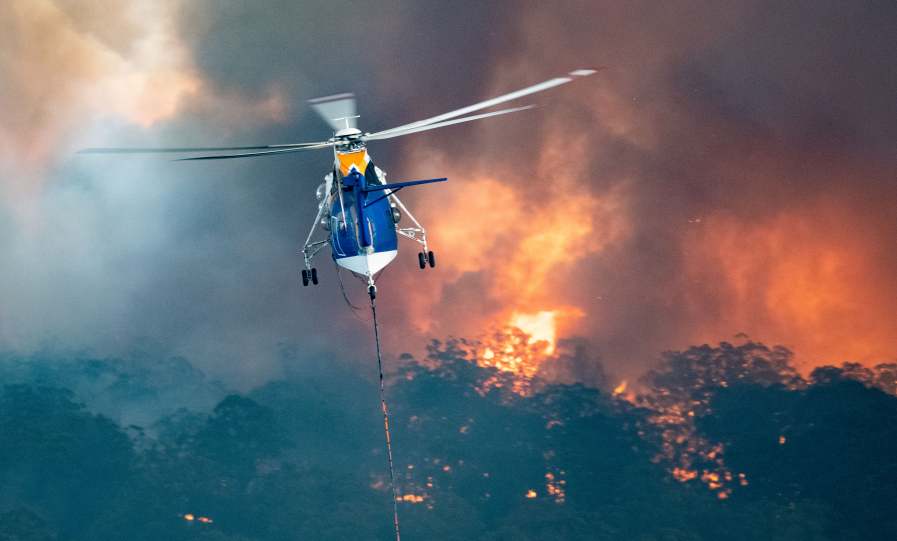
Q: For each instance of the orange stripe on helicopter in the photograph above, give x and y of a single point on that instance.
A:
(358, 159)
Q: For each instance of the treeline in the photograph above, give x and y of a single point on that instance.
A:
(724, 442)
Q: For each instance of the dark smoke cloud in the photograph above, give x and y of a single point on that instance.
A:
(721, 135)
(752, 144)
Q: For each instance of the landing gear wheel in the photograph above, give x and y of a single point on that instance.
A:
(422, 260)
(314, 276)
(431, 258)
(304, 278)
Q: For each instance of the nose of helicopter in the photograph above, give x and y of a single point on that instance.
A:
(367, 264)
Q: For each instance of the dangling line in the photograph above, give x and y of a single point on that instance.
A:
(392, 475)
(355, 309)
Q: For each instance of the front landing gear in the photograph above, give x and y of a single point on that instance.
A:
(425, 258)
(309, 275)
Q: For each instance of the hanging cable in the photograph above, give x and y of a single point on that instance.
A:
(356, 310)
(392, 475)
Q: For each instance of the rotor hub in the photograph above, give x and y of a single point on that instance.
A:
(347, 133)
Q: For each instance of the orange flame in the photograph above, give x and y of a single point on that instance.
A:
(522, 252)
(540, 326)
(620, 389)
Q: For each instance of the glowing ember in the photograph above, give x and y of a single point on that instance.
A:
(682, 475)
(411, 498)
(530, 494)
(555, 486)
(782, 440)
(190, 517)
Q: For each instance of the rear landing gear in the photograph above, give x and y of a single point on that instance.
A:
(309, 276)
(425, 258)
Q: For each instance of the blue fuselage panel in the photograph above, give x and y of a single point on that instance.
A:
(368, 226)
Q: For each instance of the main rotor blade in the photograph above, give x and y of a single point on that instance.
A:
(337, 110)
(545, 85)
(251, 154)
(190, 149)
(390, 133)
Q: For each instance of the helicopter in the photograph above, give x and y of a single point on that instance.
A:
(358, 209)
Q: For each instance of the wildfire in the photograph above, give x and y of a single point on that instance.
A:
(517, 262)
(691, 456)
(522, 345)
(540, 326)
(513, 351)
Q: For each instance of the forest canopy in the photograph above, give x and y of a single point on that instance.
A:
(720, 442)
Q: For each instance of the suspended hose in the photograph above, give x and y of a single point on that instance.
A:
(355, 309)
(392, 475)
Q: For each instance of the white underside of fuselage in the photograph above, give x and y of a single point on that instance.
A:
(368, 264)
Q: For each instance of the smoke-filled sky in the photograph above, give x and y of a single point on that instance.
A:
(733, 170)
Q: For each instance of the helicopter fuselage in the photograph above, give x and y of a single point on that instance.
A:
(358, 208)
(362, 222)
(361, 213)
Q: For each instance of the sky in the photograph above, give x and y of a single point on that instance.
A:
(731, 172)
